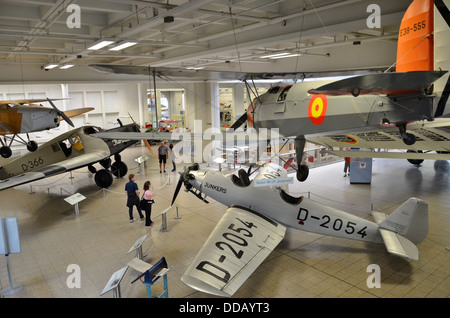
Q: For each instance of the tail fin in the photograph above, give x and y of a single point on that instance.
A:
(415, 50)
(406, 226)
(409, 220)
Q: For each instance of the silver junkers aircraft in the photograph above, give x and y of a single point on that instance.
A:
(257, 218)
(68, 151)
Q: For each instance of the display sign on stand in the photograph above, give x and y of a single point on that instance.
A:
(138, 246)
(74, 200)
(9, 244)
(114, 283)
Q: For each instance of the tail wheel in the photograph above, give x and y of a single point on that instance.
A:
(119, 169)
(104, 178)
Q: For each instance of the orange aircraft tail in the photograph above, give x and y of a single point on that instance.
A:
(415, 42)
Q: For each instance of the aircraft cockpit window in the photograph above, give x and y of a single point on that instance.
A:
(289, 198)
(243, 179)
(274, 90)
(283, 93)
(91, 130)
(66, 147)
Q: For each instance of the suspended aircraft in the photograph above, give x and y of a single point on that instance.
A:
(433, 142)
(25, 116)
(359, 102)
(257, 218)
(66, 152)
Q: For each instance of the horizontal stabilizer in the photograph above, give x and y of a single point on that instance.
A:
(398, 245)
(406, 226)
(381, 83)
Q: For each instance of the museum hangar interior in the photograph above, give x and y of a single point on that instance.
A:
(47, 51)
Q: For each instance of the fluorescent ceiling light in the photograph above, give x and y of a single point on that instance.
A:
(279, 55)
(123, 45)
(66, 66)
(100, 44)
(288, 55)
(273, 55)
(195, 67)
(50, 66)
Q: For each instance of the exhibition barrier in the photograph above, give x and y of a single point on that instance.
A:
(9, 244)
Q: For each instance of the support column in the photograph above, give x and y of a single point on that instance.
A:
(238, 100)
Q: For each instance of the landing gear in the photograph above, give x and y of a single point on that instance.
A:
(119, 169)
(5, 150)
(32, 145)
(416, 162)
(104, 177)
(302, 170)
(408, 139)
(302, 173)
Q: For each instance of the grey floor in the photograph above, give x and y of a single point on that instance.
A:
(303, 265)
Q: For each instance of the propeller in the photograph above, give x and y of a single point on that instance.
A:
(60, 113)
(185, 176)
(238, 123)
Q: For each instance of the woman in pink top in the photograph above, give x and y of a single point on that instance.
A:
(148, 198)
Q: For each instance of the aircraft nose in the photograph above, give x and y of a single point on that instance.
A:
(197, 180)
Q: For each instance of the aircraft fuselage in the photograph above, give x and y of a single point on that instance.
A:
(295, 112)
(26, 119)
(299, 213)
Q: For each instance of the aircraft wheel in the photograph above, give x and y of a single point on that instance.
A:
(415, 161)
(5, 152)
(103, 178)
(32, 145)
(302, 173)
(409, 139)
(119, 169)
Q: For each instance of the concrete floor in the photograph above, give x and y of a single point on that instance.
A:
(303, 265)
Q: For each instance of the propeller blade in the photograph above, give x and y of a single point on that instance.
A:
(177, 189)
(238, 123)
(60, 113)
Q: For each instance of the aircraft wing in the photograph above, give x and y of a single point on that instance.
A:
(54, 169)
(237, 246)
(381, 83)
(430, 136)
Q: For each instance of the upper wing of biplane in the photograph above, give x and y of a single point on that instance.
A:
(54, 169)
(430, 136)
(237, 246)
(216, 75)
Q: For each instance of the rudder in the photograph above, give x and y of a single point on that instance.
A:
(409, 220)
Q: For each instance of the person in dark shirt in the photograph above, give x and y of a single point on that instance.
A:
(162, 155)
(132, 192)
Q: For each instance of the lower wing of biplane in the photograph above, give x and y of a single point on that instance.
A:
(432, 142)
